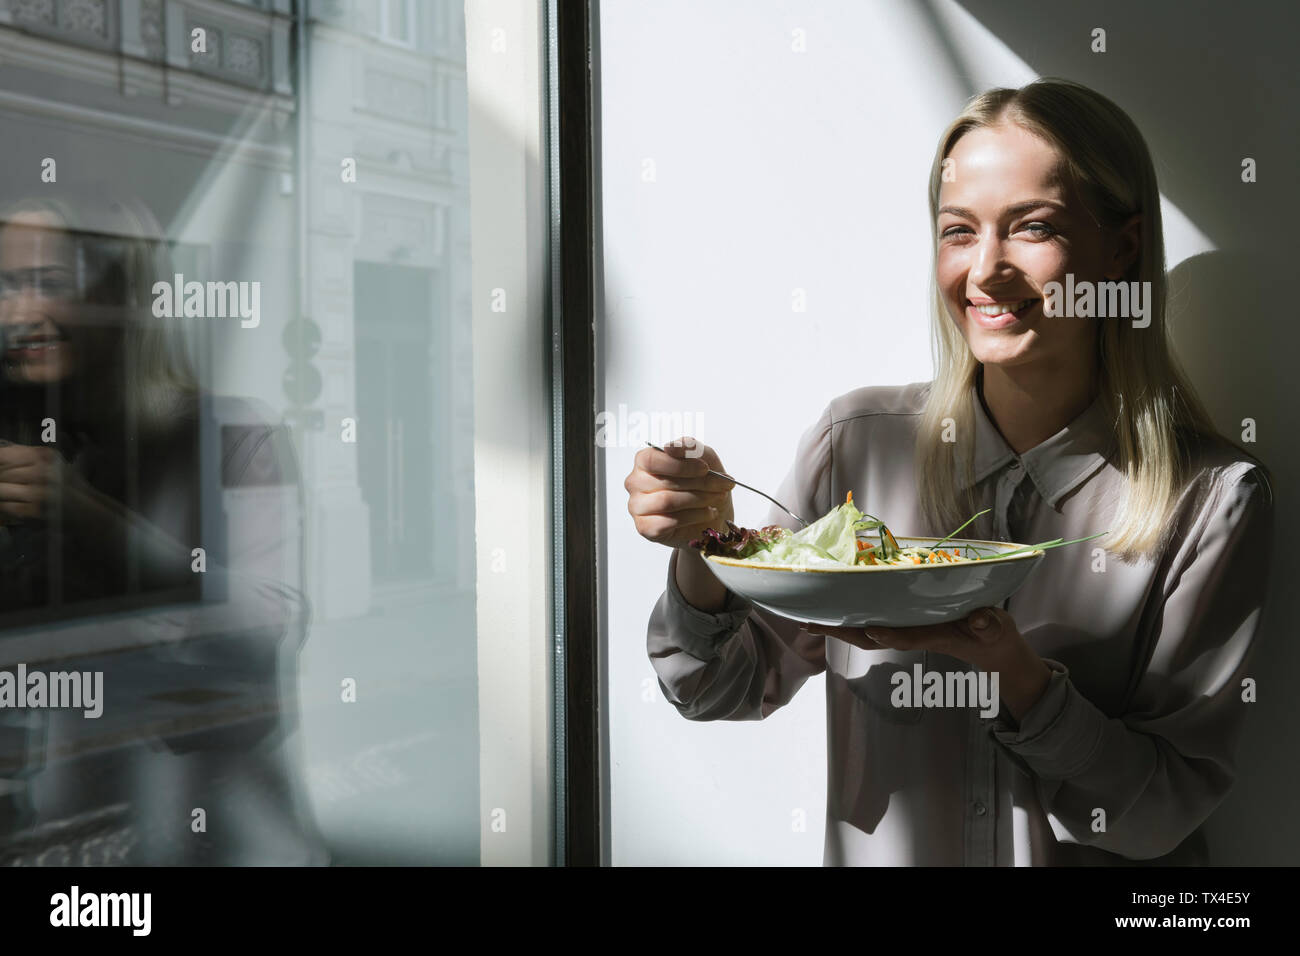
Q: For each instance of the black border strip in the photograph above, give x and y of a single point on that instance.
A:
(578, 646)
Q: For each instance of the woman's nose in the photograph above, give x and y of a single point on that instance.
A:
(989, 262)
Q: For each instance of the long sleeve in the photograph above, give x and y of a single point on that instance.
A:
(743, 662)
(1158, 770)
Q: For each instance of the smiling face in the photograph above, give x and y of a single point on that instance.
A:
(1008, 225)
(37, 300)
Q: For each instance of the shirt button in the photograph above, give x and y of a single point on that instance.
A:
(980, 809)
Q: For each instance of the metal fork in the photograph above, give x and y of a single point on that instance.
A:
(743, 485)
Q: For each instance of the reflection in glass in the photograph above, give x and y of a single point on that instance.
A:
(174, 593)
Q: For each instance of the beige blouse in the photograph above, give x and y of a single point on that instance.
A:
(1132, 745)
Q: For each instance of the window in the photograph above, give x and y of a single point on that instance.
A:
(289, 341)
(397, 22)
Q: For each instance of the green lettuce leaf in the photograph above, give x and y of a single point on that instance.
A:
(830, 540)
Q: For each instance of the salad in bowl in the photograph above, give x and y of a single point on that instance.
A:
(833, 573)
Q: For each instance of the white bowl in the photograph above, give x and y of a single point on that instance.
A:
(888, 596)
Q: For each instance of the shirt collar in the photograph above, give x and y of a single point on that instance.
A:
(1056, 466)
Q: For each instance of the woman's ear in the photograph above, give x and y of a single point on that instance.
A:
(1126, 248)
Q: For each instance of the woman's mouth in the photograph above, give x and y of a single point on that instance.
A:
(34, 346)
(990, 314)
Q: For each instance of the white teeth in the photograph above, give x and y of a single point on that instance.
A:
(999, 308)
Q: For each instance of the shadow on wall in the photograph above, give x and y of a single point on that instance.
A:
(1203, 110)
(1228, 315)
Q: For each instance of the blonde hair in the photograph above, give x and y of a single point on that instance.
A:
(159, 376)
(1142, 388)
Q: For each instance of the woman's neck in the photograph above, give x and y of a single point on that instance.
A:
(1030, 404)
(96, 402)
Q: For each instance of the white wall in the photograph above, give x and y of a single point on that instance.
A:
(775, 170)
(764, 184)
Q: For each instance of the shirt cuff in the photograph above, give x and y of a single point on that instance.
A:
(1059, 735)
(700, 633)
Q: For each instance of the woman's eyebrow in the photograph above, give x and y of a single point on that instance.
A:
(1015, 210)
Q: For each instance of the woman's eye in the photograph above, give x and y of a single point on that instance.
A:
(954, 231)
(1040, 229)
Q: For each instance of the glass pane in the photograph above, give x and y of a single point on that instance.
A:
(260, 601)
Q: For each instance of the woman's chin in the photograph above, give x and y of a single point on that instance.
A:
(1000, 347)
(993, 355)
(38, 372)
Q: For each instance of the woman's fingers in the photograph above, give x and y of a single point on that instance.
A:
(671, 502)
(669, 465)
(942, 638)
(683, 458)
(26, 475)
(641, 480)
(21, 492)
(671, 495)
(17, 457)
(857, 636)
(22, 501)
(24, 471)
(672, 527)
(29, 474)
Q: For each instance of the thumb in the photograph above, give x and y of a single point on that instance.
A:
(988, 623)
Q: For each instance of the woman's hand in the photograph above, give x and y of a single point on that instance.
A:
(672, 497)
(987, 639)
(34, 479)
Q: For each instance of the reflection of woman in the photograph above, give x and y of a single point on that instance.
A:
(1120, 670)
(91, 404)
(102, 503)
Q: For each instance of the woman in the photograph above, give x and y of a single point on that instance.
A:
(1121, 668)
(122, 554)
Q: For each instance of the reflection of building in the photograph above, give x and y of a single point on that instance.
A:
(114, 90)
(389, 264)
